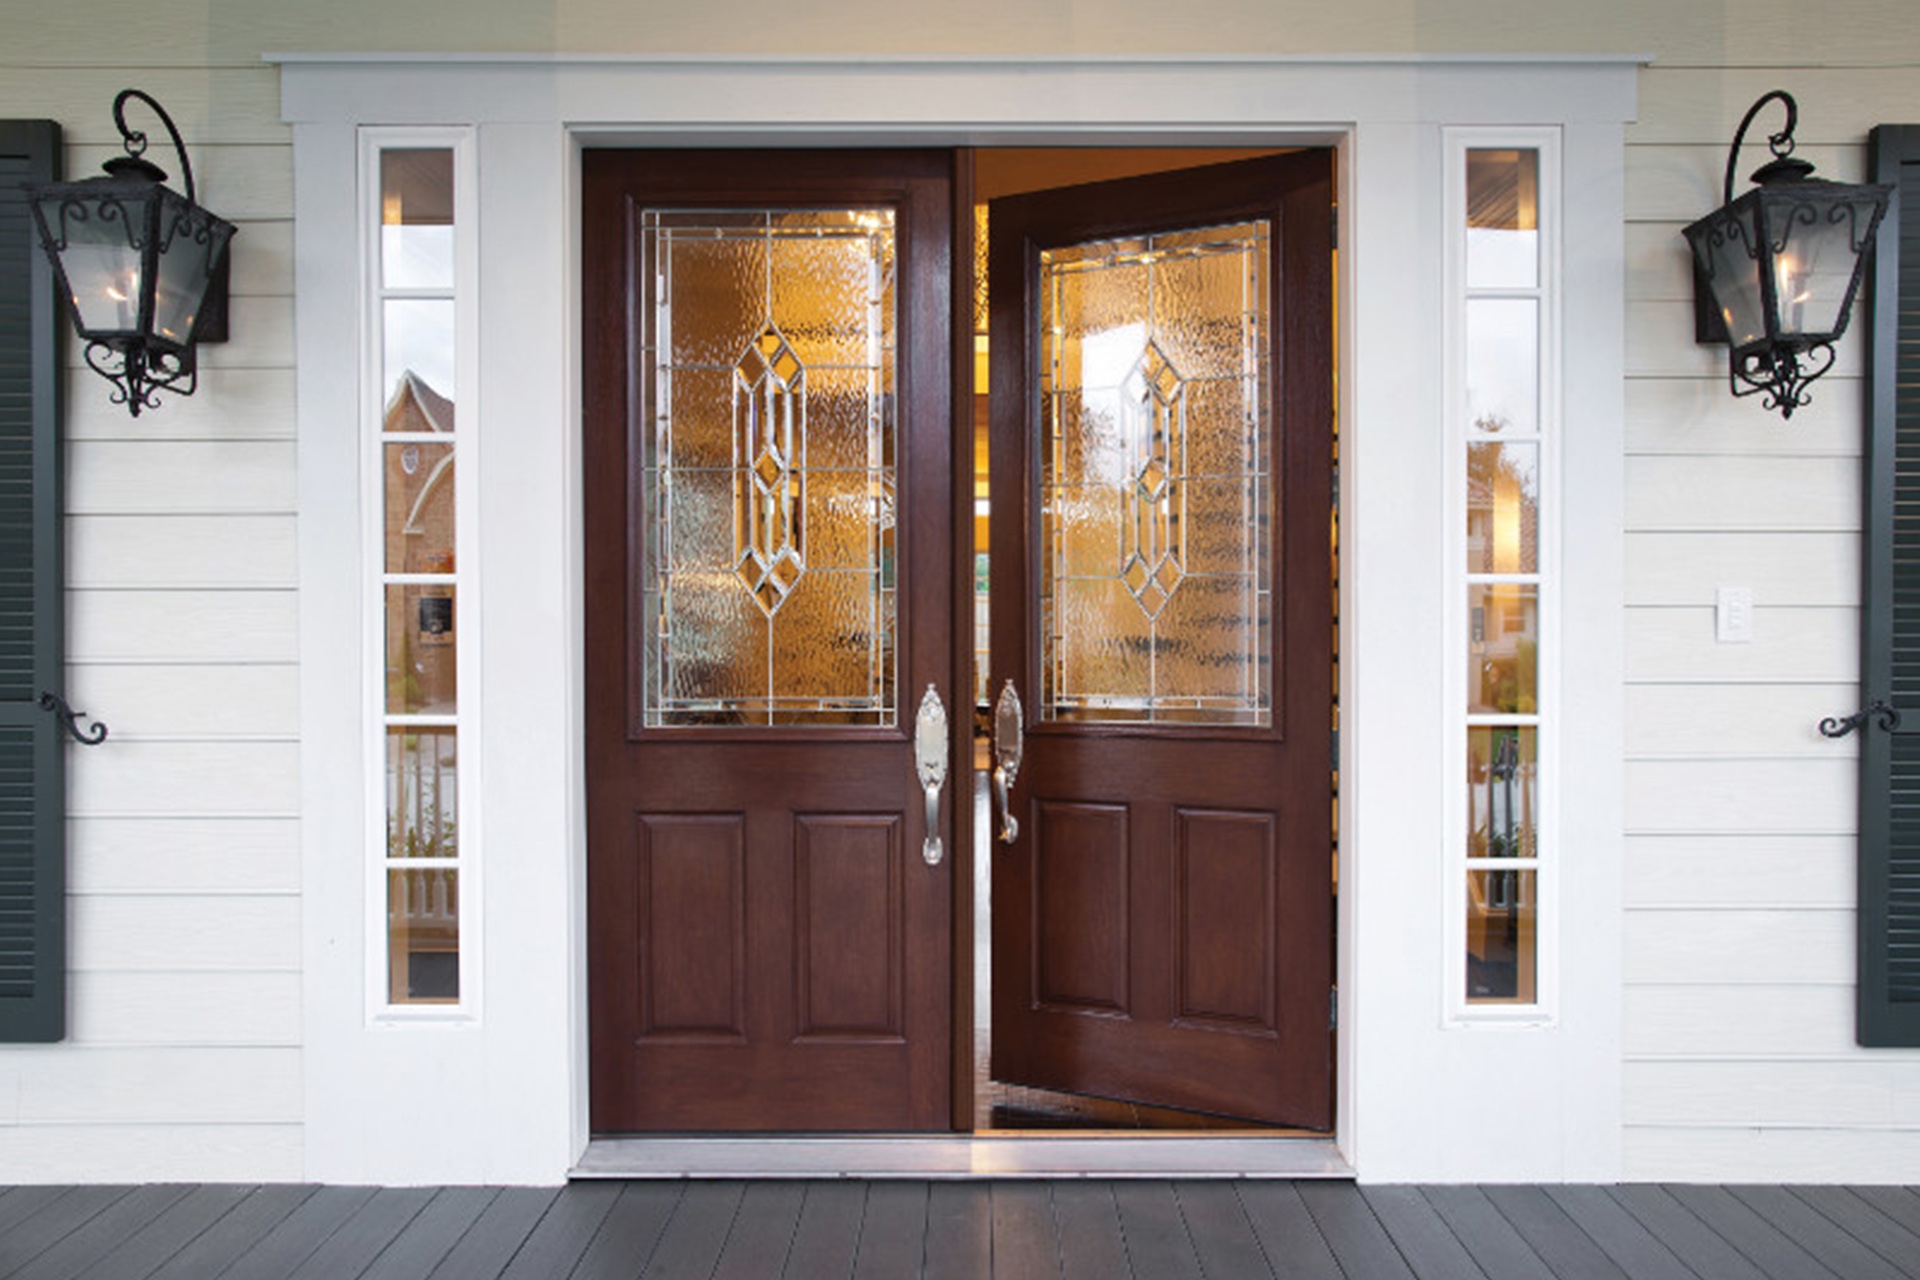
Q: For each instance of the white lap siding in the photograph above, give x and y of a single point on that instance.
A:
(183, 1057)
(1740, 1060)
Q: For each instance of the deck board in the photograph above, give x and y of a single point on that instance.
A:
(1008, 1229)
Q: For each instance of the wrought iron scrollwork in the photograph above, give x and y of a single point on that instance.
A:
(92, 736)
(1877, 711)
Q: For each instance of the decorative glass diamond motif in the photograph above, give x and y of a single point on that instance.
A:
(1153, 557)
(769, 481)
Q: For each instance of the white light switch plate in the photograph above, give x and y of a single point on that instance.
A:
(1733, 615)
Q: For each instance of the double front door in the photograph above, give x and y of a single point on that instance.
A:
(779, 692)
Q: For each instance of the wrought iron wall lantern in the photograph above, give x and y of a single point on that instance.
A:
(143, 268)
(1776, 270)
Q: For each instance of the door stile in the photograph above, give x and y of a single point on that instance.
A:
(961, 633)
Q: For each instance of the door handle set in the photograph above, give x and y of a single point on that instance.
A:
(930, 766)
(1009, 737)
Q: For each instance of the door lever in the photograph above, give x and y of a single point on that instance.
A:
(930, 765)
(1009, 737)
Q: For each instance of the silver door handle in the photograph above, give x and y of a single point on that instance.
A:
(1009, 739)
(930, 766)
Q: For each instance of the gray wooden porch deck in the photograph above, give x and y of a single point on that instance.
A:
(1149, 1230)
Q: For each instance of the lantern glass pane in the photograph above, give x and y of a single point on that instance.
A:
(1725, 248)
(185, 268)
(1813, 268)
(102, 265)
(416, 218)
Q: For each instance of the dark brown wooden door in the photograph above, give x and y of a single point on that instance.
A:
(768, 569)
(1162, 435)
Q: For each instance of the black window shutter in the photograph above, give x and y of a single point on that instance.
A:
(33, 837)
(1888, 1012)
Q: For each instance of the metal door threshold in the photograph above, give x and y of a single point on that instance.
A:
(1080, 1155)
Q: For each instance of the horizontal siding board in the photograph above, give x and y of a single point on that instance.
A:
(231, 404)
(184, 855)
(177, 477)
(1782, 568)
(143, 933)
(147, 1085)
(1765, 797)
(1697, 416)
(1659, 263)
(194, 1008)
(1794, 645)
(182, 626)
(1705, 106)
(1764, 947)
(1716, 1020)
(185, 778)
(208, 105)
(1706, 871)
(1730, 492)
(182, 551)
(1736, 720)
(122, 1153)
(1757, 1154)
(1858, 1094)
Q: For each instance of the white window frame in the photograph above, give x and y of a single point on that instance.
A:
(466, 578)
(1545, 720)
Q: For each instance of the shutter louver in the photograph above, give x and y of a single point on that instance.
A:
(1888, 1011)
(32, 655)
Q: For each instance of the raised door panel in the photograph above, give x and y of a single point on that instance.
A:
(849, 928)
(690, 915)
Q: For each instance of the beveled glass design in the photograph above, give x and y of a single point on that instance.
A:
(1156, 499)
(1503, 648)
(422, 791)
(423, 934)
(767, 467)
(1502, 941)
(1503, 508)
(1503, 774)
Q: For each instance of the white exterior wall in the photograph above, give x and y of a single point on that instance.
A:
(185, 1059)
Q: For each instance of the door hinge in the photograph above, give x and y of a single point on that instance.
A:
(1333, 1008)
(1333, 228)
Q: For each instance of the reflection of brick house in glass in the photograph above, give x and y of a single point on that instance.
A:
(418, 521)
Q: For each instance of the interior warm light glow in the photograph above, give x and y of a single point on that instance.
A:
(390, 210)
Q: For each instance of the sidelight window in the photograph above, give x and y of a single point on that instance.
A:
(418, 424)
(1502, 417)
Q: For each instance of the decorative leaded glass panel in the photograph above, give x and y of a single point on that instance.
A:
(1155, 508)
(768, 467)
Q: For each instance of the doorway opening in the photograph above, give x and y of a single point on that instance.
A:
(1011, 1107)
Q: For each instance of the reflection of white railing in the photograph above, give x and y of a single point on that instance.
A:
(425, 907)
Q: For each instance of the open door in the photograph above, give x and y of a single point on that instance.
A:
(1162, 480)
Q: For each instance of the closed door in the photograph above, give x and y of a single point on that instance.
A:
(1162, 431)
(768, 605)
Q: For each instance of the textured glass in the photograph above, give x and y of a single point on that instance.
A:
(418, 484)
(1503, 219)
(1155, 494)
(1503, 365)
(420, 650)
(1503, 650)
(419, 347)
(1502, 948)
(416, 218)
(423, 935)
(767, 585)
(1503, 775)
(422, 791)
(1503, 508)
